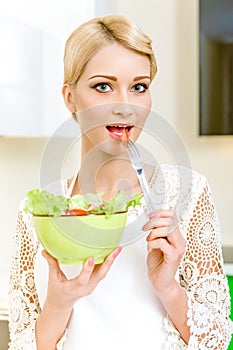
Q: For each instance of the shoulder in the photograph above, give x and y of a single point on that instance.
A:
(58, 187)
(176, 187)
(176, 175)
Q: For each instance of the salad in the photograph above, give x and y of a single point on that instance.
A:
(41, 202)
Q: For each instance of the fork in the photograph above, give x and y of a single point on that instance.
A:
(137, 164)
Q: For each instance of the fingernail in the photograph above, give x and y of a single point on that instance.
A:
(119, 249)
(153, 214)
(90, 262)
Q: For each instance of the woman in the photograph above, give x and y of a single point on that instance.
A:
(109, 65)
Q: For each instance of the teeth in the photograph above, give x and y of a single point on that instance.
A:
(121, 126)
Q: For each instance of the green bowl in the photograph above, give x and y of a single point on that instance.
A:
(73, 239)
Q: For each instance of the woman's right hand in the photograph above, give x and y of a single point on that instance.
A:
(62, 293)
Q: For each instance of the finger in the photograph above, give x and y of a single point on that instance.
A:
(103, 269)
(52, 262)
(172, 254)
(157, 233)
(84, 277)
(167, 218)
(171, 234)
(156, 222)
(161, 244)
(161, 213)
(55, 271)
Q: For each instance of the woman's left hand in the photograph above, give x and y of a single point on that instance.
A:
(166, 247)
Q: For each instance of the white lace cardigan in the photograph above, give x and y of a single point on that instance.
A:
(201, 270)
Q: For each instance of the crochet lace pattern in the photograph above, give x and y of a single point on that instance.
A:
(201, 271)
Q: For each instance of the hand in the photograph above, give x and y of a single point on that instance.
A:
(62, 292)
(166, 247)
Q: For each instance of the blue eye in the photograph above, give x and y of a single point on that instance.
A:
(139, 88)
(102, 87)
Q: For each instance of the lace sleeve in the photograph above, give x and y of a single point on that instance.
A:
(24, 306)
(202, 275)
(23, 301)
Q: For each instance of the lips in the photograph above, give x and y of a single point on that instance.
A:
(116, 131)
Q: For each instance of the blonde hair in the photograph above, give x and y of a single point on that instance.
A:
(91, 36)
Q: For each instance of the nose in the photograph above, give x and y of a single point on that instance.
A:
(123, 109)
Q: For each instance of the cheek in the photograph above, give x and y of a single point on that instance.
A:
(83, 102)
(148, 101)
(142, 115)
(93, 117)
(142, 112)
(85, 99)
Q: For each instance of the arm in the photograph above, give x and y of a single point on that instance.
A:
(175, 302)
(23, 301)
(202, 275)
(61, 295)
(188, 304)
(166, 247)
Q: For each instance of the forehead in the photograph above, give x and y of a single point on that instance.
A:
(116, 58)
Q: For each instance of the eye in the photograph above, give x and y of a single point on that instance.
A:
(102, 87)
(139, 88)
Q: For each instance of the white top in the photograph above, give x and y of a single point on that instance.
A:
(124, 312)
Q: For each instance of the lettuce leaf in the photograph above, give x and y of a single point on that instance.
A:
(40, 202)
(44, 203)
(78, 201)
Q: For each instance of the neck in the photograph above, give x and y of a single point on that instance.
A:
(102, 172)
(117, 175)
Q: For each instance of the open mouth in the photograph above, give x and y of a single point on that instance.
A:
(116, 131)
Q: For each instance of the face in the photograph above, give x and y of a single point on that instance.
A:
(111, 95)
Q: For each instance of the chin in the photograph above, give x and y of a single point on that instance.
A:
(112, 148)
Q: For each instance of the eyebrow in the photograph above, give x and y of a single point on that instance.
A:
(110, 77)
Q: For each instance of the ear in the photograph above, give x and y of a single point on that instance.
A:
(68, 96)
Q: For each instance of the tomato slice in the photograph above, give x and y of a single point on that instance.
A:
(77, 212)
(125, 137)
